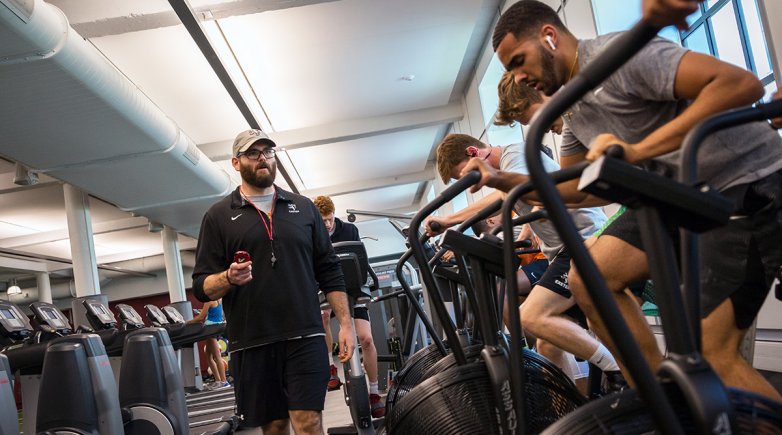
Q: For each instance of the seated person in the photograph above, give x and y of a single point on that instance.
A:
(345, 232)
(647, 107)
(544, 311)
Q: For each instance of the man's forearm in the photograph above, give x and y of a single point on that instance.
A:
(339, 303)
(569, 192)
(469, 211)
(216, 285)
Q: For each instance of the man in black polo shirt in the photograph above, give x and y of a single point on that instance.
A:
(346, 232)
(271, 303)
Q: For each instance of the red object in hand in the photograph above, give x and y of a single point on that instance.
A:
(241, 257)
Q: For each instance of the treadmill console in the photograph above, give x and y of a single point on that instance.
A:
(173, 315)
(155, 315)
(14, 325)
(130, 318)
(99, 316)
(51, 316)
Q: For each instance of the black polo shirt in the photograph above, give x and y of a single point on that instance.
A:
(344, 232)
(281, 302)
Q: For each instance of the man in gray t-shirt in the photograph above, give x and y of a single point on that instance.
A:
(546, 310)
(647, 107)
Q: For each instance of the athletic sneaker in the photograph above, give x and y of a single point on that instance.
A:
(212, 386)
(334, 382)
(377, 405)
(614, 381)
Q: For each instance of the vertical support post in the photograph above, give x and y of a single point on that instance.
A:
(85, 266)
(44, 287)
(188, 358)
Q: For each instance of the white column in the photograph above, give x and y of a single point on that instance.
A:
(85, 267)
(44, 287)
(173, 260)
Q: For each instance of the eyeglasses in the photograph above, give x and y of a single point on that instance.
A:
(268, 153)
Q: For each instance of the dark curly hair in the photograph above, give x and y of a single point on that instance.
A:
(525, 18)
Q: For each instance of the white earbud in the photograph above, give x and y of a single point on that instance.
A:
(550, 43)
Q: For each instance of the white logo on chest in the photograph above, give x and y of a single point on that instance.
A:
(292, 208)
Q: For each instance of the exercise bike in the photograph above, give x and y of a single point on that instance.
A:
(355, 267)
(685, 396)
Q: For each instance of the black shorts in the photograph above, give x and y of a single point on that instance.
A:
(555, 277)
(535, 270)
(287, 375)
(740, 259)
(359, 312)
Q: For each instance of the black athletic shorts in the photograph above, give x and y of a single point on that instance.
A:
(555, 277)
(535, 270)
(359, 312)
(287, 375)
(741, 258)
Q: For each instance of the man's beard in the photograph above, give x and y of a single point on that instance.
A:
(250, 175)
(551, 82)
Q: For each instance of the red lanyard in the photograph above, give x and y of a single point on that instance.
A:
(270, 225)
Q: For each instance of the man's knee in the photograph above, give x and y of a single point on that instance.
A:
(532, 319)
(276, 427)
(306, 422)
(365, 338)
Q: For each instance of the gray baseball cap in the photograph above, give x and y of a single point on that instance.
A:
(245, 139)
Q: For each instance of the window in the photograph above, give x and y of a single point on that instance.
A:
(487, 92)
(620, 15)
(732, 31)
(728, 29)
(460, 202)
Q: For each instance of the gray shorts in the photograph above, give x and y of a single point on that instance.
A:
(741, 259)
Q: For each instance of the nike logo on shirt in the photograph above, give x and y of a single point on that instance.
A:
(236, 217)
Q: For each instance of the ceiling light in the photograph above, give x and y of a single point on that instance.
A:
(13, 289)
(407, 78)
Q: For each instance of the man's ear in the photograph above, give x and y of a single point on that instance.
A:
(235, 163)
(471, 151)
(549, 37)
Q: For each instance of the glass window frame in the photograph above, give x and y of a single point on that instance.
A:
(705, 20)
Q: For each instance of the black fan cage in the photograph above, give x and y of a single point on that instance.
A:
(461, 401)
(546, 374)
(412, 373)
(625, 413)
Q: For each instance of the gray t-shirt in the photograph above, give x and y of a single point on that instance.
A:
(639, 98)
(587, 220)
(263, 202)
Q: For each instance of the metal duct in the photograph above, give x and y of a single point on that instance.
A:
(68, 112)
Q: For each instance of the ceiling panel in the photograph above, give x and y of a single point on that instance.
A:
(380, 156)
(139, 239)
(167, 66)
(79, 11)
(387, 198)
(8, 229)
(344, 60)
